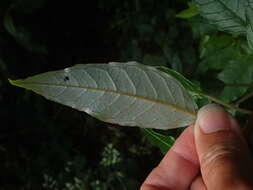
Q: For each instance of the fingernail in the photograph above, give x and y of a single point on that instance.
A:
(212, 118)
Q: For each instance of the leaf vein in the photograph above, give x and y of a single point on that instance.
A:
(167, 104)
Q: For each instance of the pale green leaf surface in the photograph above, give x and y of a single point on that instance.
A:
(162, 141)
(194, 89)
(128, 94)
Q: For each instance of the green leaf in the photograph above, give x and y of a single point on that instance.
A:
(162, 141)
(216, 52)
(201, 27)
(233, 16)
(239, 70)
(188, 13)
(249, 17)
(226, 55)
(226, 15)
(190, 86)
(213, 44)
(194, 89)
(128, 94)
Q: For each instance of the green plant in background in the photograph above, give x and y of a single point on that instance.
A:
(111, 174)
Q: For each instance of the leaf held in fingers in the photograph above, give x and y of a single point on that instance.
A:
(129, 94)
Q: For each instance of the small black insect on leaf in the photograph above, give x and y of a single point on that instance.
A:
(66, 78)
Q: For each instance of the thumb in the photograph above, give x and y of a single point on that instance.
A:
(224, 157)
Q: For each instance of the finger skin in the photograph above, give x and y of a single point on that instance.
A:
(198, 184)
(225, 160)
(178, 168)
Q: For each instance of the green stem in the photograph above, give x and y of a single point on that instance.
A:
(247, 96)
(218, 101)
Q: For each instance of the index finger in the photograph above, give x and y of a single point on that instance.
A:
(178, 168)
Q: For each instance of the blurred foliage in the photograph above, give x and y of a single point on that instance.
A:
(164, 142)
(44, 145)
(188, 13)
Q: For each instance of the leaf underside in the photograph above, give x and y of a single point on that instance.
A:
(129, 94)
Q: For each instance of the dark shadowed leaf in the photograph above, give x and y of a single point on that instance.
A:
(239, 70)
(249, 17)
(233, 16)
(227, 15)
(164, 142)
(190, 86)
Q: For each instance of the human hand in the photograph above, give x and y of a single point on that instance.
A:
(212, 155)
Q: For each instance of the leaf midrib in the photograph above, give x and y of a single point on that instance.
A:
(175, 107)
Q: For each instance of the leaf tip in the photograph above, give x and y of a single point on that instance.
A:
(15, 82)
(11, 81)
